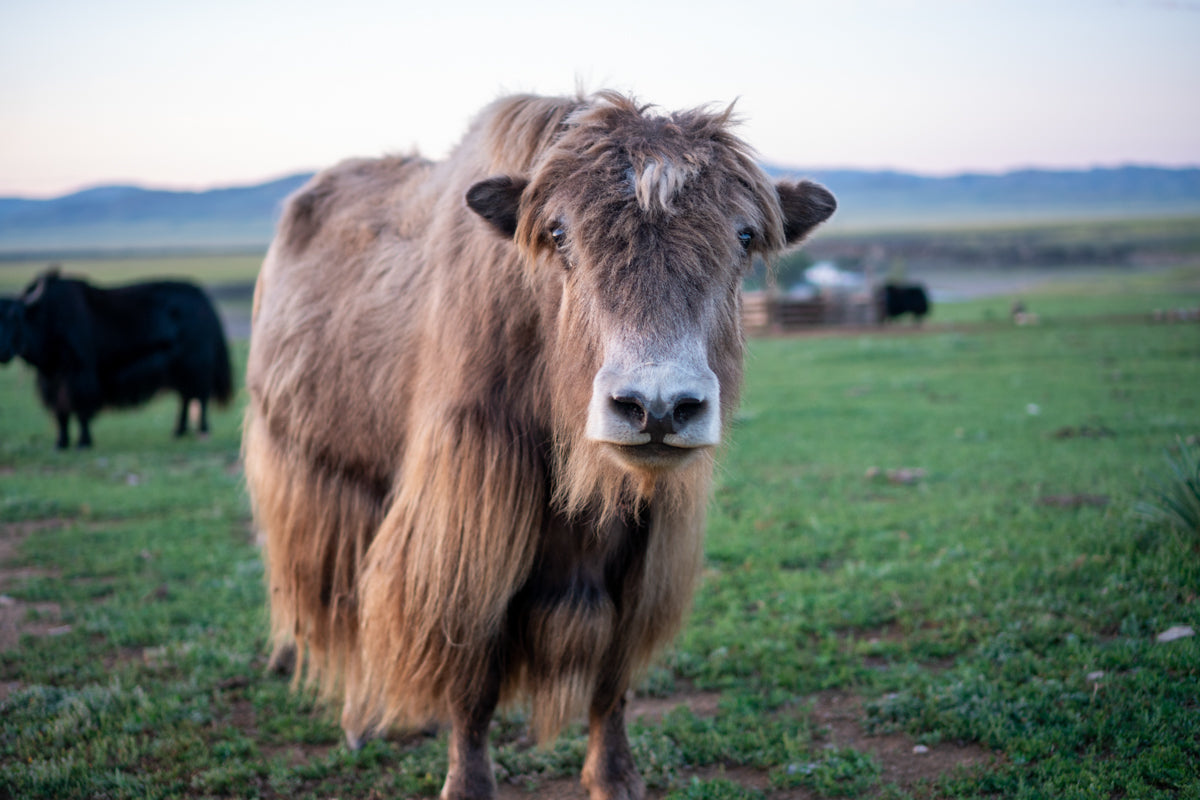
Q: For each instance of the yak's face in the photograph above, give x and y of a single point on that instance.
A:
(642, 228)
(12, 329)
(23, 320)
(649, 310)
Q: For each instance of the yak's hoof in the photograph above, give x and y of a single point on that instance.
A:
(618, 779)
(283, 660)
(355, 740)
(631, 789)
(473, 786)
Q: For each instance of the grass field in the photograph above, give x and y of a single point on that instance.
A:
(213, 270)
(925, 578)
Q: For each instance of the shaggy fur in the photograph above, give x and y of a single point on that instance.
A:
(442, 536)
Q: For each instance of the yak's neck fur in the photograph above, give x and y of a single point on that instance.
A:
(400, 455)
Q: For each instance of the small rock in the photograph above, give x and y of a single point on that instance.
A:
(1033, 409)
(5, 600)
(1095, 676)
(61, 630)
(920, 750)
(1176, 632)
(905, 476)
(901, 476)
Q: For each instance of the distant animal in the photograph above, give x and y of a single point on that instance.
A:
(897, 299)
(95, 348)
(1022, 315)
(485, 394)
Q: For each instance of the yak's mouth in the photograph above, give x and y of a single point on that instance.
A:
(655, 456)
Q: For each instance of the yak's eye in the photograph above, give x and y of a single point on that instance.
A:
(559, 234)
(745, 236)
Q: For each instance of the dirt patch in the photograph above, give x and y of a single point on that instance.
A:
(837, 722)
(557, 789)
(837, 716)
(1083, 432)
(13, 533)
(121, 656)
(243, 716)
(17, 617)
(653, 709)
(1073, 500)
(295, 754)
(894, 632)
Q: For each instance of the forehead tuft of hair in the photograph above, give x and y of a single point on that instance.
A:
(665, 151)
(610, 142)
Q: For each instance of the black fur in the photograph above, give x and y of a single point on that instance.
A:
(95, 348)
(897, 299)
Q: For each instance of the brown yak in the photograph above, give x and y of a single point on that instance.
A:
(485, 395)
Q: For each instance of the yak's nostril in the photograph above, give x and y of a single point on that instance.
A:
(685, 409)
(631, 408)
(659, 418)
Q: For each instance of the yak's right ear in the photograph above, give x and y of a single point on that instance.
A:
(805, 206)
(498, 200)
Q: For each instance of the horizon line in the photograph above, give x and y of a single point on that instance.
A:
(786, 169)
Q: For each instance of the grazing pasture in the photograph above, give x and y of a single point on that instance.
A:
(924, 578)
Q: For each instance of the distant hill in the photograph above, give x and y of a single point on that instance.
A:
(881, 200)
(132, 218)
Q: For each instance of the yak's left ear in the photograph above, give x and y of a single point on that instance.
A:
(805, 206)
(498, 200)
(35, 290)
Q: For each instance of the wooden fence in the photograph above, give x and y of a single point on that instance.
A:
(771, 312)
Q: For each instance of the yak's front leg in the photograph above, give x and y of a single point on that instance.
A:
(469, 776)
(85, 430)
(64, 429)
(181, 426)
(203, 416)
(609, 772)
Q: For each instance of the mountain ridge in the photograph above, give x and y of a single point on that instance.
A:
(122, 216)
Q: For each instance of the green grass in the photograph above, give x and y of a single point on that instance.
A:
(1110, 292)
(209, 269)
(1174, 498)
(1002, 597)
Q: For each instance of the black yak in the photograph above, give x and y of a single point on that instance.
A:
(897, 299)
(95, 348)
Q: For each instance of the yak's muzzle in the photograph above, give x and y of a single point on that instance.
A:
(655, 412)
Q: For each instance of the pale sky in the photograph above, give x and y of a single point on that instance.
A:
(174, 94)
